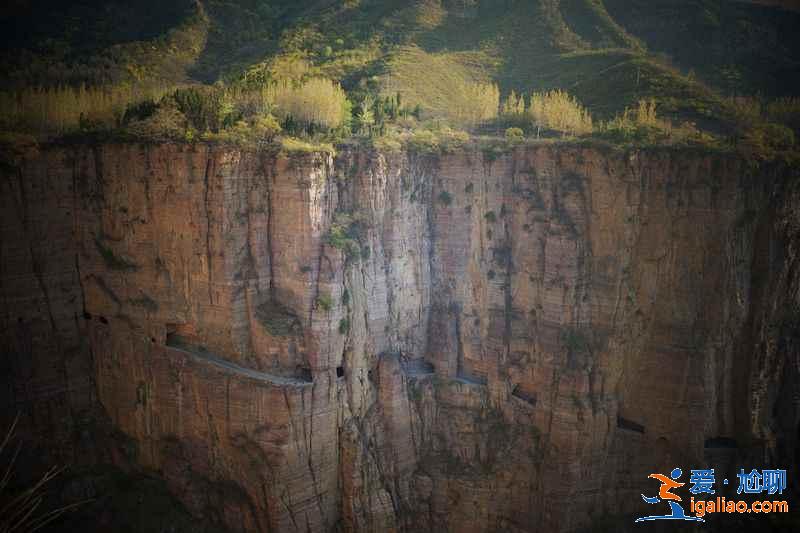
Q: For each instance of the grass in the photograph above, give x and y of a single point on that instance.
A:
(444, 85)
(21, 508)
(291, 145)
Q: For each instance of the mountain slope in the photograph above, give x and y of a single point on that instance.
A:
(686, 54)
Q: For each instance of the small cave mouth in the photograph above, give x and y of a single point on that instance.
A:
(304, 373)
(87, 315)
(103, 320)
(630, 425)
(721, 442)
(179, 334)
(339, 371)
(524, 396)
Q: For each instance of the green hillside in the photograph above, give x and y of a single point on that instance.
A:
(689, 57)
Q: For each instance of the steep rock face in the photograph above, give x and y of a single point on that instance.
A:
(403, 342)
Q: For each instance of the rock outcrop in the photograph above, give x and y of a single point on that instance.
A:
(406, 342)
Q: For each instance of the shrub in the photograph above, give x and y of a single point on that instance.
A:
(166, 123)
(765, 141)
(278, 320)
(513, 106)
(558, 111)
(266, 127)
(438, 140)
(318, 101)
(423, 141)
(785, 111)
(390, 143)
(324, 302)
(476, 103)
(515, 135)
(365, 117)
(139, 111)
(346, 234)
(513, 111)
(642, 125)
(60, 110)
(344, 326)
(205, 108)
(445, 198)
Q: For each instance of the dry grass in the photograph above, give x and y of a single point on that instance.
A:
(444, 85)
(559, 111)
(63, 109)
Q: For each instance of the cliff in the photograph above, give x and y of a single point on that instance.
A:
(404, 342)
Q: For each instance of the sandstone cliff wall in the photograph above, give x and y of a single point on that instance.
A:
(402, 342)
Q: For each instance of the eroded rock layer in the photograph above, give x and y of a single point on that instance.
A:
(403, 342)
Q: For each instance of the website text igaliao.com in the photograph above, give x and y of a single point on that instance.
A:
(722, 505)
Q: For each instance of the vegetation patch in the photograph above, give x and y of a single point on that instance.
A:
(324, 302)
(347, 232)
(278, 320)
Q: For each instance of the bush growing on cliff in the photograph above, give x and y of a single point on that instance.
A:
(436, 140)
(785, 111)
(278, 320)
(642, 125)
(346, 233)
(165, 123)
(205, 108)
(317, 102)
(765, 141)
(514, 136)
(324, 302)
(557, 110)
(445, 198)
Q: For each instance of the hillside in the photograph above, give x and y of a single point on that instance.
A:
(687, 56)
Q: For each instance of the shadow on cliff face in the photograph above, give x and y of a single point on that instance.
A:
(122, 502)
